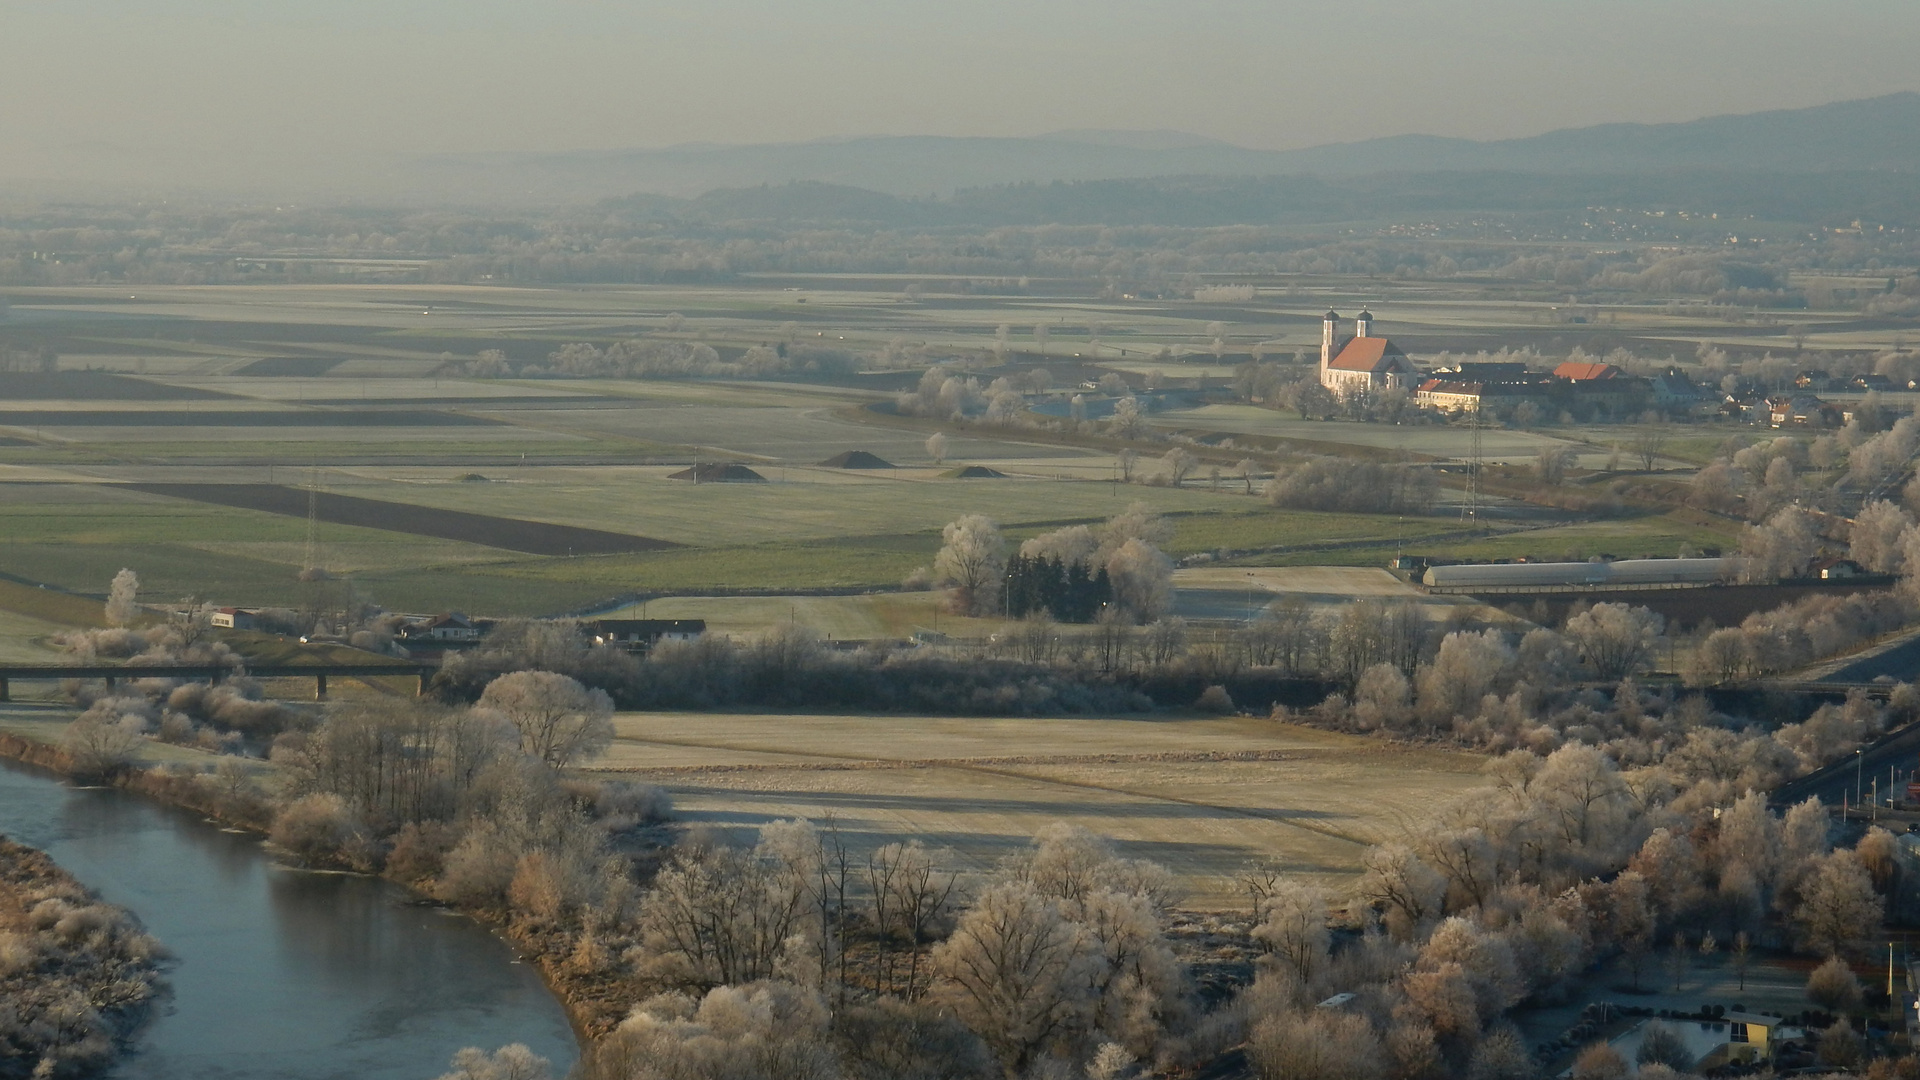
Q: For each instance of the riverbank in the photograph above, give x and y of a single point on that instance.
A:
(592, 1001)
(77, 977)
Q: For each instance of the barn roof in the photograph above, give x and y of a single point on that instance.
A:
(1582, 372)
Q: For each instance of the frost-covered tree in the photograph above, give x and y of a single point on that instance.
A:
(1615, 640)
(123, 604)
(972, 559)
(1779, 548)
(559, 720)
(1875, 542)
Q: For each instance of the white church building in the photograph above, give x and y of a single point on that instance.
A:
(1362, 363)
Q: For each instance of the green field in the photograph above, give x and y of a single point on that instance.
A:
(595, 453)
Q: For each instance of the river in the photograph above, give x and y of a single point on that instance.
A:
(283, 974)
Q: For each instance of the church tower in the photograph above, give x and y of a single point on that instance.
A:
(1328, 331)
(1363, 324)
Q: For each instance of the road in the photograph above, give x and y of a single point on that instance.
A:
(1890, 761)
(1898, 659)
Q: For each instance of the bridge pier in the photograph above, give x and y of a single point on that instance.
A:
(3, 689)
(320, 687)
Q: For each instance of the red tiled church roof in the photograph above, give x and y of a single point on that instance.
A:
(1368, 354)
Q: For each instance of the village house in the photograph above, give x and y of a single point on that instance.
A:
(1363, 363)
(451, 628)
(641, 635)
(1801, 410)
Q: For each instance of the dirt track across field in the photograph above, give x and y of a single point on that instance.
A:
(511, 534)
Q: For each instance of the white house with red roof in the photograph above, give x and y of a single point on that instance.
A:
(1362, 363)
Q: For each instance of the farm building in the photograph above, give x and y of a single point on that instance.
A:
(1362, 363)
(1452, 396)
(1672, 389)
(1835, 569)
(1575, 371)
(1561, 576)
(451, 627)
(641, 635)
(719, 473)
(233, 618)
(856, 459)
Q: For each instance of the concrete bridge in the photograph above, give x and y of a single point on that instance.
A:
(213, 673)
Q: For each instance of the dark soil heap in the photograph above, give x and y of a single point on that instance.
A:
(856, 459)
(719, 474)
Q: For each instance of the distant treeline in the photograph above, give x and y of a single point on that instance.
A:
(1211, 201)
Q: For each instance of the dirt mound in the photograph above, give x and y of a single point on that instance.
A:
(719, 474)
(857, 459)
(974, 472)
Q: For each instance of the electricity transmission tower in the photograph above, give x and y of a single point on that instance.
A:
(311, 563)
(1470, 510)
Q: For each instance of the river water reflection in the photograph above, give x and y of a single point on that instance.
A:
(282, 974)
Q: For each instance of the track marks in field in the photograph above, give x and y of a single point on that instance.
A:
(1009, 768)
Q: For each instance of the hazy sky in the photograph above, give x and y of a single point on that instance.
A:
(217, 77)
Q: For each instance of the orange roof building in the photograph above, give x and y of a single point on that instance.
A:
(1574, 371)
(1362, 363)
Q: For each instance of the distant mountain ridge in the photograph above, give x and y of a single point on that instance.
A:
(1850, 136)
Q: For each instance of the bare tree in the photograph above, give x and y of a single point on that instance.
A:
(1246, 471)
(1833, 987)
(1142, 579)
(102, 740)
(1316, 1045)
(1017, 972)
(512, 1062)
(123, 604)
(1180, 464)
(1551, 464)
(1295, 926)
(917, 899)
(1779, 548)
(559, 720)
(1614, 639)
(1838, 906)
(972, 559)
(1875, 542)
(1651, 440)
(1128, 421)
(1126, 459)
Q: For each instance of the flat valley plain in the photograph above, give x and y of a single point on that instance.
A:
(354, 391)
(1208, 797)
(252, 395)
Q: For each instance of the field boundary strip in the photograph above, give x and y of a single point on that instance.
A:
(509, 534)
